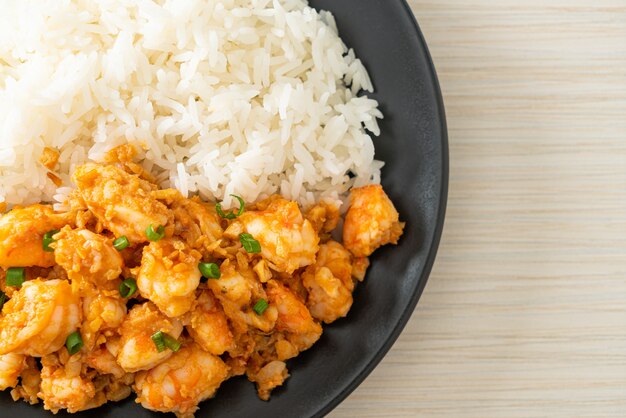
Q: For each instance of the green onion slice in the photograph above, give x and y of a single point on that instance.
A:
(3, 299)
(249, 243)
(15, 276)
(231, 214)
(74, 343)
(260, 306)
(128, 288)
(209, 270)
(47, 240)
(157, 338)
(155, 235)
(162, 341)
(121, 243)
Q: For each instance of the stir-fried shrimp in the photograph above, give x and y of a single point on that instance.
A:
(208, 325)
(121, 201)
(338, 260)
(324, 216)
(287, 239)
(169, 275)
(239, 292)
(21, 235)
(65, 386)
(113, 303)
(115, 389)
(293, 315)
(102, 360)
(137, 350)
(195, 222)
(11, 366)
(177, 385)
(29, 383)
(112, 380)
(38, 318)
(87, 256)
(329, 283)
(102, 316)
(371, 221)
(269, 377)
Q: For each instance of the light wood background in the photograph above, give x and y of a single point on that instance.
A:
(525, 311)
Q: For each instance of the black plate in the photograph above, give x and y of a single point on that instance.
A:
(413, 143)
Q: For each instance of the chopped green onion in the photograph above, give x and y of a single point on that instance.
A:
(249, 243)
(231, 214)
(74, 343)
(260, 306)
(47, 240)
(157, 339)
(15, 276)
(162, 341)
(3, 299)
(171, 343)
(209, 270)
(128, 288)
(121, 243)
(155, 235)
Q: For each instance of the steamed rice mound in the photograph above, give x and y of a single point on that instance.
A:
(246, 97)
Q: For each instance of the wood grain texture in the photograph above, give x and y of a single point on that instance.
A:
(525, 311)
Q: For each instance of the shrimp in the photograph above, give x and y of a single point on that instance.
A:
(122, 156)
(287, 239)
(269, 377)
(87, 256)
(371, 221)
(195, 222)
(65, 386)
(180, 383)
(115, 389)
(324, 216)
(39, 317)
(137, 350)
(239, 292)
(102, 360)
(11, 366)
(329, 283)
(169, 275)
(29, 382)
(112, 380)
(359, 268)
(293, 316)
(208, 325)
(102, 315)
(21, 236)
(121, 201)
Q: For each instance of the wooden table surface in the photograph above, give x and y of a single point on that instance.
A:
(525, 311)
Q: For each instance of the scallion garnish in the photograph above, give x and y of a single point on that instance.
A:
(260, 306)
(157, 339)
(121, 243)
(231, 214)
(128, 288)
(155, 235)
(249, 243)
(209, 270)
(47, 240)
(162, 341)
(15, 276)
(3, 299)
(171, 342)
(74, 343)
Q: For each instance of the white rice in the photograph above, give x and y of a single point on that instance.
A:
(246, 97)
